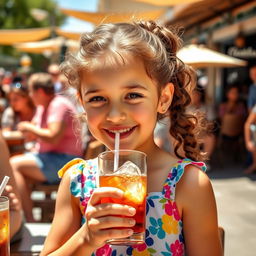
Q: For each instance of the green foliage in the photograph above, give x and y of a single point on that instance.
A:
(16, 14)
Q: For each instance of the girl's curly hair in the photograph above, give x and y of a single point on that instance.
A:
(110, 46)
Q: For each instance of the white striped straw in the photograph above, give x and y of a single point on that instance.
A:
(3, 184)
(116, 156)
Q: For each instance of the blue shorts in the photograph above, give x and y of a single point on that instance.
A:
(50, 163)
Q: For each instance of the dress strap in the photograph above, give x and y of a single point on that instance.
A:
(176, 174)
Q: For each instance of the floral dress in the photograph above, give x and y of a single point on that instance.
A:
(164, 231)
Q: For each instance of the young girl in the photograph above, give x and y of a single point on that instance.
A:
(128, 76)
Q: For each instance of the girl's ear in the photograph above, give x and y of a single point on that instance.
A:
(165, 99)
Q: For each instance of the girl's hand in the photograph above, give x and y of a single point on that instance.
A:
(103, 221)
(250, 146)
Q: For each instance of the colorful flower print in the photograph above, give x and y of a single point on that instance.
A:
(104, 251)
(156, 227)
(177, 248)
(171, 209)
(170, 225)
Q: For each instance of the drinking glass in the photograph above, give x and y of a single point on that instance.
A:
(130, 177)
(4, 226)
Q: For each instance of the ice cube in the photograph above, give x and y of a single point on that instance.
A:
(128, 169)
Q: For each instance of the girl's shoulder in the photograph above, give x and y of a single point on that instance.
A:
(179, 168)
(82, 175)
(194, 184)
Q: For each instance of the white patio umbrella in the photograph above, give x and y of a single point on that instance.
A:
(199, 56)
(167, 2)
(50, 45)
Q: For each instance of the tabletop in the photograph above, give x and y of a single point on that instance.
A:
(32, 240)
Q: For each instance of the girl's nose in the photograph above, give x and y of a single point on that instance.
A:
(116, 114)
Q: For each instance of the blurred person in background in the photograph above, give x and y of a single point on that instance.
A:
(54, 71)
(3, 101)
(21, 107)
(11, 191)
(232, 116)
(208, 136)
(252, 89)
(250, 139)
(57, 141)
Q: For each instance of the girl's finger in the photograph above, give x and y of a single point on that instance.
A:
(101, 210)
(114, 233)
(110, 222)
(104, 192)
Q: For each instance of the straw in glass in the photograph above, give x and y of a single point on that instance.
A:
(116, 156)
(3, 184)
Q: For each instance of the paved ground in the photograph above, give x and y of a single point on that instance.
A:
(236, 201)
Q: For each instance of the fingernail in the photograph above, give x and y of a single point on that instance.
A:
(132, 211)
(130, 232)
(131, 221)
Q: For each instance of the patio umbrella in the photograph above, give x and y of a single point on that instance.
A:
(68, 34)
(199, 56)
(12, 36)
(167, 2)
(105, 17)
(50, 45)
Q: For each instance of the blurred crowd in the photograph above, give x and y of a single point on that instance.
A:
(39, 128)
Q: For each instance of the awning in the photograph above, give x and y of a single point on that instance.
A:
(50, 45)
(103, 17)
(167, 2)
(199, 56)
(193, 13)
(68, 34)
(12, 36)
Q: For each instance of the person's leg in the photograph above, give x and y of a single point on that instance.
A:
(252, 168)
(26, 169)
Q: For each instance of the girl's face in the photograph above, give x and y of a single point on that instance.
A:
(17, 101)
(124, 101)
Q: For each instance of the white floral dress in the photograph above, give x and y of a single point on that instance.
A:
(164, 232)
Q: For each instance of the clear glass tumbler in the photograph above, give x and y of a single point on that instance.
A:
(4, 226)
(131, 177)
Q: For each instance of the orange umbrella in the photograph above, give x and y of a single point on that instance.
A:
(68, 34)
(104, 17)
(11, 36)
(50, 45)
(167, 2)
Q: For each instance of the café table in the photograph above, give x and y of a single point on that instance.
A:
(15, 141)
(32, 240)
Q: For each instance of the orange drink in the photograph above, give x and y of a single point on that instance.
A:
(131, 178)
(135, 188)
(4, 227)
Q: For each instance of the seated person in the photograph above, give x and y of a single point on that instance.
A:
(53, 129)
(21, 108)
(11, 191)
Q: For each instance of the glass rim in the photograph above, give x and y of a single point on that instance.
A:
(121, 150)
(5, 199)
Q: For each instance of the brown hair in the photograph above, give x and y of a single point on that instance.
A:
(111, 45)
(21, 89)
(43, 81)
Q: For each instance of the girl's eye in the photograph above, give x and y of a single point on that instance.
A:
(97, 99)
(134, 95)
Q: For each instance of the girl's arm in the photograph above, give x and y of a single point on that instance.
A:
(196, 199)
(67, 237)
(247, 134)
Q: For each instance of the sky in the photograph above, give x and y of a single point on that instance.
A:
(73, 24)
